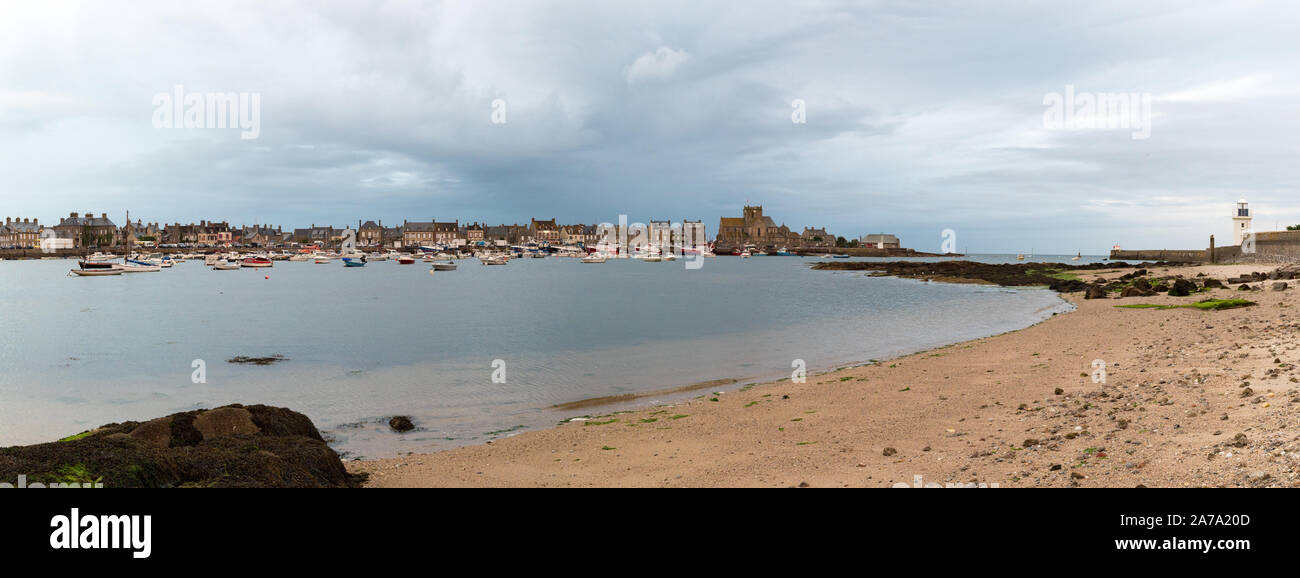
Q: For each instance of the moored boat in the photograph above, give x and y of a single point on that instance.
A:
(96, 272)
(256, 262)
(444, 266)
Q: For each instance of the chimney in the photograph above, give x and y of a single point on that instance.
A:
(72, 215)
(103, 215)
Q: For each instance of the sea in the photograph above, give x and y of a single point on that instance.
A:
(471, 355)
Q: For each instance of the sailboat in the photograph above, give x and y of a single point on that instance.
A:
(129, 265)
(89, 268)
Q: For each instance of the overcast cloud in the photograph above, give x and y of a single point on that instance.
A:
(921, 116)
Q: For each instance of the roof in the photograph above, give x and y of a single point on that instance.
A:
(733, 222)
(89, 221)
(880, 237)
(370, 225)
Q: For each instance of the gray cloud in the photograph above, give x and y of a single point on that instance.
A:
(920, 116)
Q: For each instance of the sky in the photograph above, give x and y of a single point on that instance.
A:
(917, 117)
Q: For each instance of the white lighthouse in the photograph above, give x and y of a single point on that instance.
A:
(1241, 222)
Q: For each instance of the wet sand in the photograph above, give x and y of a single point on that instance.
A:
(1190, 398)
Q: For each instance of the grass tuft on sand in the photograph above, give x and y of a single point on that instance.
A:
(1206, 305)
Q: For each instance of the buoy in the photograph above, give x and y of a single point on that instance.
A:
(268, 276)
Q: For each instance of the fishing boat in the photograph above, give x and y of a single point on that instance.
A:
(444, 266)
(354, 262)
(256, 262)
(1077, 257)
(594, 258)
(1020, 257)
(783, 252)
(95, 272)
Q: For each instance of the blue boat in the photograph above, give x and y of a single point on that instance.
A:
(350, 262)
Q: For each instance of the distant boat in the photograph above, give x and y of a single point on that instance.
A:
(744, 254)
(351, 262)
(225, 266)
(1020, 257)
(783, 252)
(443, 266)
(404, 260)
(593, 258)
(491, 260)
(1077, 257)
(256, 262)
(839, 256)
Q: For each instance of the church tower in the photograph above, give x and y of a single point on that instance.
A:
(1241, 222)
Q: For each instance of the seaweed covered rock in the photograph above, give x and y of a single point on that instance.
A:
(230, 446)
(1095, 292)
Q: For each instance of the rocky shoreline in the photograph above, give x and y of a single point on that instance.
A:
(1060, 277)
(254, 446)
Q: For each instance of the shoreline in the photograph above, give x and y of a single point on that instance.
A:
(618, 407)
(1189, 398)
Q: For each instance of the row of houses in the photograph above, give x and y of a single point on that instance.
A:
(753, 228)
(88, 230)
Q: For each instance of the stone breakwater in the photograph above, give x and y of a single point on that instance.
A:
(230, 446)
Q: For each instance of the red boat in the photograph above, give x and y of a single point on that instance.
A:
(256, 262)
(405, 261)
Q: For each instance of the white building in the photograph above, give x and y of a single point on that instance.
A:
(1241, 219)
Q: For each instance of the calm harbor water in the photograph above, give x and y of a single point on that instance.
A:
(364, 344)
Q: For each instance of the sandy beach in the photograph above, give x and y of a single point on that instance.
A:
(1189, 398)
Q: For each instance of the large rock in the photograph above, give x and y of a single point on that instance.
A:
(1132, 291)
(1213, 283)
(231, 446)
(1095, 292)
(1181, 288)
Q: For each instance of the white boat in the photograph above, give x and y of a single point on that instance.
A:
(96, 272)
(493, 260)
(744, 254)
(593, 258)
(130, 267)
(225, 266)
(300, 257)
(443, 266)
